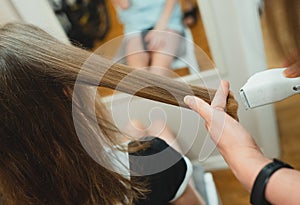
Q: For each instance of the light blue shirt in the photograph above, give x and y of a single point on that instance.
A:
(144, 14)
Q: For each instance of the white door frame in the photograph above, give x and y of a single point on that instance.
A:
(234, 33)
(40, 13)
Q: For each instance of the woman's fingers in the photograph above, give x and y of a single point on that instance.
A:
(205, 110)
(214, 119)
(151, 40)
(293, 71)
(156, 40)
(200, 106)
(290, 72)
(122, 4)
(214, 114)
(220, 99)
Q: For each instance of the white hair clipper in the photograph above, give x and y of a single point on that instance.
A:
(267, 87)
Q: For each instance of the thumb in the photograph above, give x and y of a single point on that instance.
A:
(200, 106)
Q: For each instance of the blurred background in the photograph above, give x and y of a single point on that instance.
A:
(230, 42)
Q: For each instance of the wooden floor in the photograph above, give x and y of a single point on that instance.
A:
(288, 118)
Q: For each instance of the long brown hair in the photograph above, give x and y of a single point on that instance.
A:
(42, 160)
(283, 23)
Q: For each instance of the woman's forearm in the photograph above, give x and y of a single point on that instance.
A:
(284, 187)
(246, 165)
(166, 14)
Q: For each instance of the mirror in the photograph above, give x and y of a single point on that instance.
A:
(98, 25)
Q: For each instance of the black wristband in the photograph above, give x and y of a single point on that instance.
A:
(258, 190)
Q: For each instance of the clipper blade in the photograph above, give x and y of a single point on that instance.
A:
(244, 99)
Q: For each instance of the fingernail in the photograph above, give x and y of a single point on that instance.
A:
(189, 100)
(288, 72)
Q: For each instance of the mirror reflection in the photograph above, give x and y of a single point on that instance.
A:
(165, 37)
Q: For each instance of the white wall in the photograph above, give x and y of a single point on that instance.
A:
(7, 12)
(37, 12)
(234, 33)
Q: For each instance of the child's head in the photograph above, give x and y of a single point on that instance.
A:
(41, 158)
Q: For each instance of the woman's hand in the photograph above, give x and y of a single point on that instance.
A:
(163, 41)
(226, 132)
(293, 71)
(234, 143)
(156, 39)
(293, 66)
(122, 4)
